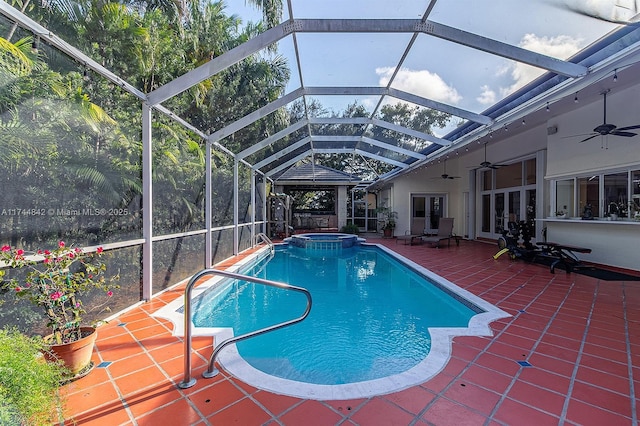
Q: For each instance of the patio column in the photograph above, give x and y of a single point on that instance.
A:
(253, 175)
(341, 206)
(543, 201)
(473, 211)
(208, 213)
(147, 204)
(236, 243)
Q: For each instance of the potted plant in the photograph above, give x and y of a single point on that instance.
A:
(54, 281)
(387, 218)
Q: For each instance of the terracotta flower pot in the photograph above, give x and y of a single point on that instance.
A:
(76, 356)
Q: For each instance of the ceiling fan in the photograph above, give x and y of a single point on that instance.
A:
(610, 129)
(444, 175)
(486, 164)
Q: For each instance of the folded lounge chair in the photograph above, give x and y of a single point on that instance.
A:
(445, 232)
(409, 238)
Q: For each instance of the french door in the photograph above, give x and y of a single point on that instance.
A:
(498, 208)
(507, 209)
(426, 211)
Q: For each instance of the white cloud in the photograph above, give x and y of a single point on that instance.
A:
(369, 103)
(487, 97)
(560, 47)
(420, 82)
(615, 11)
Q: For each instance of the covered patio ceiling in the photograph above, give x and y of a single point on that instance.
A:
(490, 65)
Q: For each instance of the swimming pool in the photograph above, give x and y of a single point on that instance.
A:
(377, 325)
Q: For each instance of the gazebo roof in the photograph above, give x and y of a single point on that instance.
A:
(317, 174)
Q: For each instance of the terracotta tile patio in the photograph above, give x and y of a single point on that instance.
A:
(570, 354)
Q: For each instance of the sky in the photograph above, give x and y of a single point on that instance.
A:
(434, 68)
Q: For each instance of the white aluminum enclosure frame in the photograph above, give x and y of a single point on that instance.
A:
(578, 76)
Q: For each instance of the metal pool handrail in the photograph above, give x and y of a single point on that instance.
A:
(189, 381)
(264, 238)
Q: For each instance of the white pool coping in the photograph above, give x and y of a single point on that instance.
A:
(432, 364)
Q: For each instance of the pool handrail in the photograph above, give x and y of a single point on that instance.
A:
(265, 238)
(211, 371)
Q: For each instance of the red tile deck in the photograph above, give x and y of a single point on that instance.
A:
(580, 335)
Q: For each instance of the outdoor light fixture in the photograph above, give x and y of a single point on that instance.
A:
(524, 122)
(34, 43)
(547, 107)
(615, 75)
(575, 99)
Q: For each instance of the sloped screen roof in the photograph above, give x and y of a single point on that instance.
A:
(464, 68)
(460, 58)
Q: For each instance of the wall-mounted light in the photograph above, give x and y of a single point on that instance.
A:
(575, 99)
(524, 123)
(547, 107)
(34, 43)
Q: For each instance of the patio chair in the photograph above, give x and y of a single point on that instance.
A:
(445, 232)
(409, 238)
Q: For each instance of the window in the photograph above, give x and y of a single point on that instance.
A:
(635, 195)
(616, 189)
(486, 180)
(507, 195)
(588, 195)
(419, 207)
(509, 176)
(564, 197)
(530, 171)
(611, 195)
(486, 213)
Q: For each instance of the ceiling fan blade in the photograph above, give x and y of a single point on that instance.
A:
(591, 137)
(625, 134)
(637, 126)
(580, 134)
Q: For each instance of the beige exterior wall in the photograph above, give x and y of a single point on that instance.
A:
(612, 243)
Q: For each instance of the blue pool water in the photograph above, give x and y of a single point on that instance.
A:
(370, 315)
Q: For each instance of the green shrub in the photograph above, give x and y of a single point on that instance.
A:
(350, 229)
(28, 384)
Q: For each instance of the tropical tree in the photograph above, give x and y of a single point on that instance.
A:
(412, 117)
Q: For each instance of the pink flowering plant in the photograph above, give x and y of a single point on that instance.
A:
(55, 280)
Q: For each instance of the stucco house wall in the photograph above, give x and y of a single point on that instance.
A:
(560, 154)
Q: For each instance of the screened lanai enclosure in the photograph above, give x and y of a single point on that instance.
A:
(158, 130)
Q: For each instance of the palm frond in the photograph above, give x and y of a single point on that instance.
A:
(16, 57)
